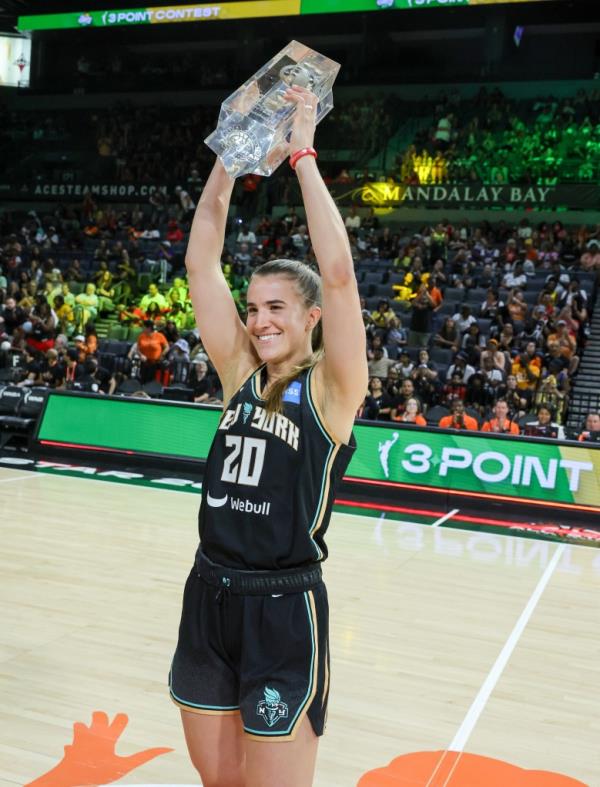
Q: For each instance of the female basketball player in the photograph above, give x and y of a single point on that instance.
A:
(251, 669)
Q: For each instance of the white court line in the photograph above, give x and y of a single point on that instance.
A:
(442, 519)
(466, 728)
(18, 478)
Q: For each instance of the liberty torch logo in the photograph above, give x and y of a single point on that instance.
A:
(272, 708)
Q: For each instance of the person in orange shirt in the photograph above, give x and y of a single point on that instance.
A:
(459, 418)
(411, 414)
(501, 424)
(434, 292)
(152, 346)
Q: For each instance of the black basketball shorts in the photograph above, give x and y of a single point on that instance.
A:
(263, 656)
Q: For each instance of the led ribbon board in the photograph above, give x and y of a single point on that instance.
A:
(543, 472)
(207, 12)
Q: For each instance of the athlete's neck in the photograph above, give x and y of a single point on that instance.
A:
(276, 370)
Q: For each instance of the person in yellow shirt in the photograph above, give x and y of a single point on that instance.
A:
(65, 315)
(527, 368)
(383, 315)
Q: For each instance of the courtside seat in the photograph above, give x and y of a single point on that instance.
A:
(20, 409)
(433, 415)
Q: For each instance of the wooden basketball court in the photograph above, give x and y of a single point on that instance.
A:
(469, 656)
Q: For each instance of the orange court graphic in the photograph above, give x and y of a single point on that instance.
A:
(91, 758)
(458, 769)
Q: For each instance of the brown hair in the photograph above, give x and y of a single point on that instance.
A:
(308, 285)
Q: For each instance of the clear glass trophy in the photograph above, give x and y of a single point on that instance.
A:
(254, 122)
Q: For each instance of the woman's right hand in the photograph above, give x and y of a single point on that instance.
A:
(303, 128)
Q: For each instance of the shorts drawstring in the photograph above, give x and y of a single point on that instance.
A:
(223, 592)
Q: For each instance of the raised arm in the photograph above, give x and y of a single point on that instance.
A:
(223, 334)
(343, 370)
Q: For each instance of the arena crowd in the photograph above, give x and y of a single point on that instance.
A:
(467, 327)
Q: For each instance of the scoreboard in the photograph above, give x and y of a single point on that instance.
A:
(207, 12)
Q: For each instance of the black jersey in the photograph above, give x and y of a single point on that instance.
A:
(270, 480)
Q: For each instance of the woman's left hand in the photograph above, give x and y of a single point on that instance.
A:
(303, 129)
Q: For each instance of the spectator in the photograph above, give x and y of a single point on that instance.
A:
(380, 399)
(464, 319)
(527, 368)
(472, 344)
(86, 306)
(396, 335)
(425, 378)
(454, 388)
(379, 366)
(544, 426)
(245, 235)
(506, 338)
(492, 375)
(461, 367)
(153, 296)
(516, 308)
(152, 347)
(459, 419)
(591, 431)
(515, 278)
(53, 373)
(497, 358)
(383, 316)
(550, 395)
(420, 324)
(188, 206)
(447, 337)
(352, 221)
(412, 413)
(518, 400)
(501, 423)
(405, 366)
(368, 409)
(14, 316)
(407, 391)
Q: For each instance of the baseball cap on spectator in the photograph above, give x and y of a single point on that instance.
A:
(79, 338)
(529, 268)
(148, 323)
(165, 243)
(564, 278)
(200, 358)
(561, 322)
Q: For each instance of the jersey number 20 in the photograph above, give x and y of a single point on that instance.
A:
(244, 464)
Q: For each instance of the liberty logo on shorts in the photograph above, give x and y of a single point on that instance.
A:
(272, 708)
(247, 411)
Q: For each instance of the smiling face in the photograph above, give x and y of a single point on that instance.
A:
(279, 323)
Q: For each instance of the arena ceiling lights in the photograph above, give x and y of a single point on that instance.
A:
(207, 12)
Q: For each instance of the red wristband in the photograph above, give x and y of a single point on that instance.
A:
(295, 157)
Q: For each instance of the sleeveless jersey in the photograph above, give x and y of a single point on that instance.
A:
(270, 480)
